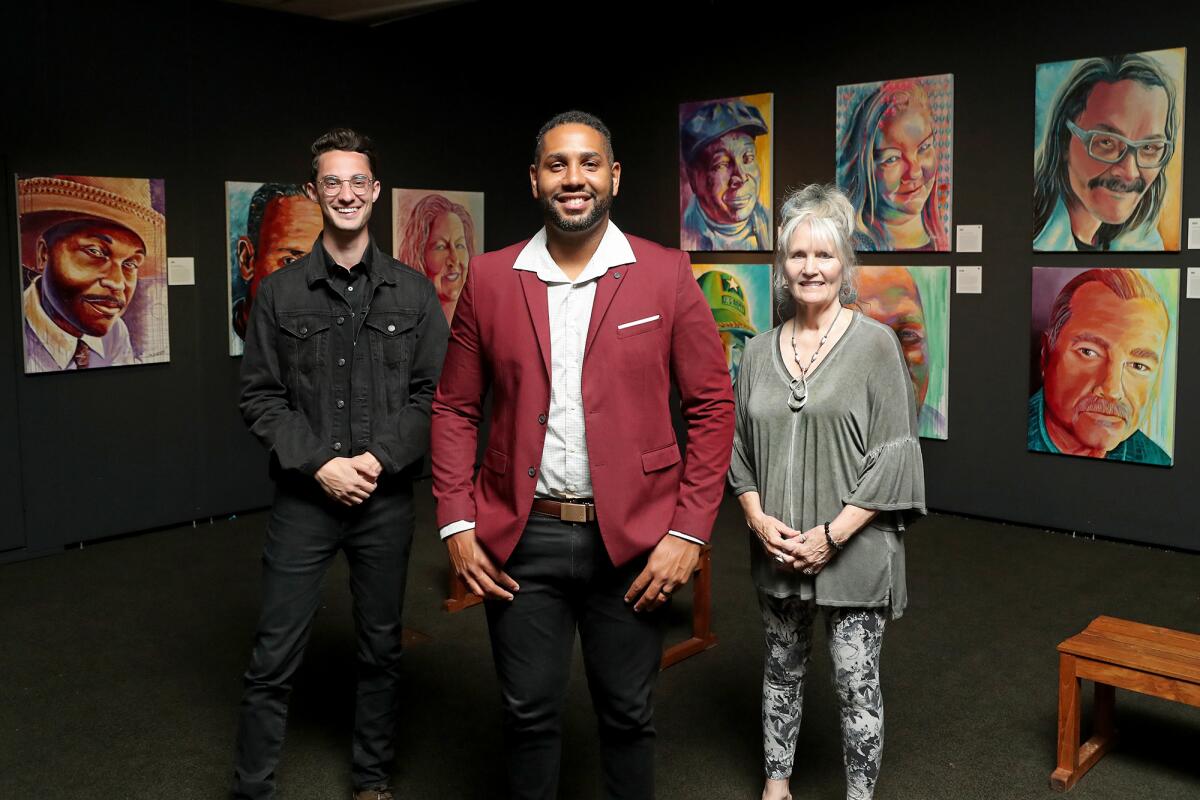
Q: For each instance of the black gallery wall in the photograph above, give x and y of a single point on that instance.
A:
(199, 93)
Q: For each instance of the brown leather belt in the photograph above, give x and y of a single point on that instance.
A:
(581, 511)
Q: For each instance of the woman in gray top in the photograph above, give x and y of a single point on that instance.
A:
(827, 468)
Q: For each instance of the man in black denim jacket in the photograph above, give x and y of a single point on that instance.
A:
(343, 354)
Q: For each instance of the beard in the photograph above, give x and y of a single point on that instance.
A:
(600, 207)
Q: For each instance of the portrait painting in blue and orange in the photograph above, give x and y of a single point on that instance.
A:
(725, 174)
(93, 255)
(915, 303)
(267, 226)
(1108, 153)
(1103, 363)
(895, 154)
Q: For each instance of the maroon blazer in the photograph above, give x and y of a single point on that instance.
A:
(643, 486)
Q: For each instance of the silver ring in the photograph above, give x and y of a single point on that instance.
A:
(779, 559)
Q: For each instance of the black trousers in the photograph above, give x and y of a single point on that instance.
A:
(567, 581)
(305, 532)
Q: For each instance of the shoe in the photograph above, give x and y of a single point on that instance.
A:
(376, 793)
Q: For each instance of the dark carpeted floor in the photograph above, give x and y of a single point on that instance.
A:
(120, 671)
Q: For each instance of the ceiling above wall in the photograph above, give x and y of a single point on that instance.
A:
(365, 12)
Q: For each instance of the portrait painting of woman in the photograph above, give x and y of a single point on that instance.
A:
(894, 162)
(438, 233)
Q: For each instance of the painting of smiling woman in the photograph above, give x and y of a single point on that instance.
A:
(894, 161)
(438, 233)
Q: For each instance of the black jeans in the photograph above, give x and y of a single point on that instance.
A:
(567, 580)
(304, 534)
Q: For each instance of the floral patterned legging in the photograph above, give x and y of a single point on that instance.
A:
(855, 636)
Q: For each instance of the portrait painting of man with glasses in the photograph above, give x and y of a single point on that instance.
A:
(1108, 153)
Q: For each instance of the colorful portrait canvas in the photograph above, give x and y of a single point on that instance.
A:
(93, 257)
(895, 159)
(438, 232)
(915, 303)
(267, 227)
(739, 296)
(1108, 153)
(725, 174)
(1103, 360)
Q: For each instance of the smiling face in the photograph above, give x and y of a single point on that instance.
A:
(445, 256)
(1101, 374)
(574, 180)
(345, 211)
(905, 162)
(1110, 193)
(724, 176)
(890, 296)
(812, 269)
(89, 275)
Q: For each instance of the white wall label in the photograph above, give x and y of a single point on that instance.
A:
(970, 238)
(1193, 283)
(1193, 233)
(968, 280)
(181, 271)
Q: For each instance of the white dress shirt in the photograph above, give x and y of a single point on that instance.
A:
(565, 472)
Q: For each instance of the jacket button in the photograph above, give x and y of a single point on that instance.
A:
(341, 320)
(341, 403)
(391, 328)
(337, 446)
(341, 362)
(541, 419)
(304, 331)
(532, 472)
(617, 275)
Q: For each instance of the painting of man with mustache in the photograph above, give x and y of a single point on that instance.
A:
(92, 256)
(1104, 371)
(1108, 153)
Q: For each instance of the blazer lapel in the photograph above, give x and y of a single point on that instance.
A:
(606, 289)
(539, 312)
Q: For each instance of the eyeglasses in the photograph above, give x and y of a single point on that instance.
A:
(1110, 148)
(331, 185)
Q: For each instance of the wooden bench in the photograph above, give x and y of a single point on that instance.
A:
(1117, 654)
(702, 637)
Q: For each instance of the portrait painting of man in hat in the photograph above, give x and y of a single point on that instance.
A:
(92, 258)
(725, 174)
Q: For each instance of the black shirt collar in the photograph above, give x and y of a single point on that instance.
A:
(321, 265)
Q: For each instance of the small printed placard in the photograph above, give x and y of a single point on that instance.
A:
(968, 280)
(1193, 283)
(1193, 233)
(181, 271)
(970, 238)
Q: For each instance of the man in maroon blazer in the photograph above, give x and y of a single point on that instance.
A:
(584, 513)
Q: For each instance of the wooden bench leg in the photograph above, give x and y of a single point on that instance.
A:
(1074, 759)
(1067, 771)
(460, 597)
(702, 636)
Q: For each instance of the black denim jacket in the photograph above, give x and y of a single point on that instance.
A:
(308, 396)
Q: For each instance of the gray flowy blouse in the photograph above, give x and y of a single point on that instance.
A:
(854, 443)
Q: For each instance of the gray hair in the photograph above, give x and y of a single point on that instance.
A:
(829, 212)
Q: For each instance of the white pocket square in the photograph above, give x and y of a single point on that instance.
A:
(642, 321)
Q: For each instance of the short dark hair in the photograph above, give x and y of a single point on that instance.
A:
(573, 118)
(344, 139)
(259, 201)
